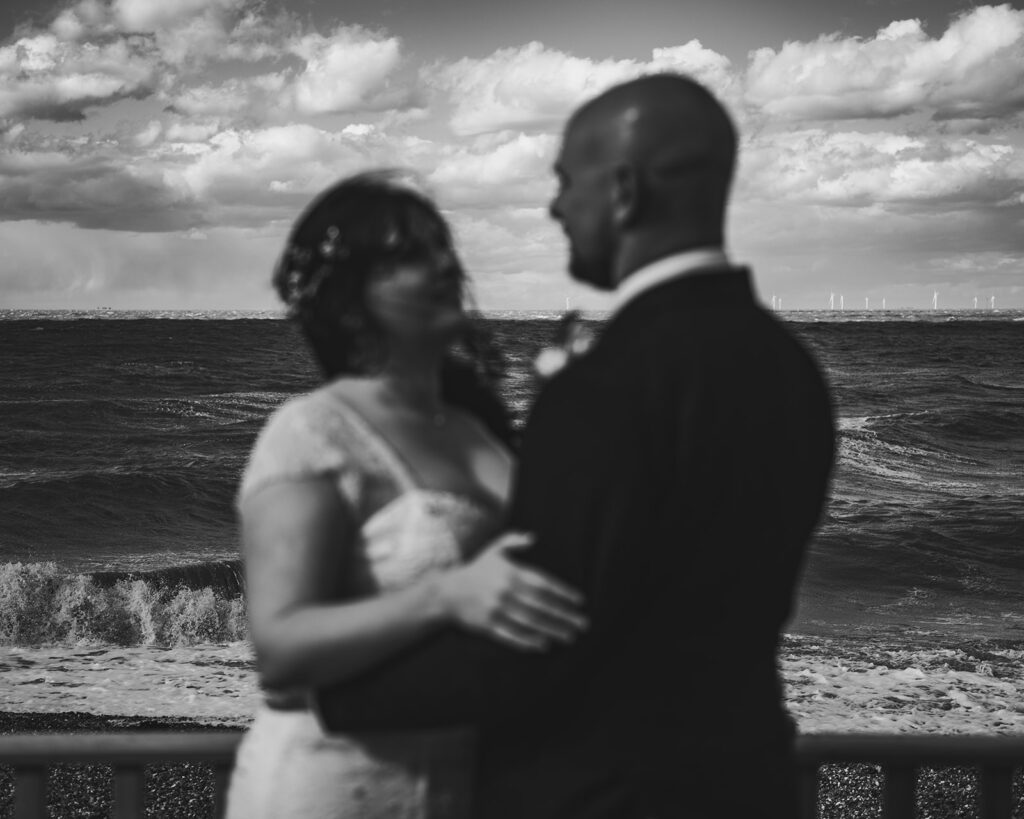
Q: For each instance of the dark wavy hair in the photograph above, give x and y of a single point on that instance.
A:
(349, 231)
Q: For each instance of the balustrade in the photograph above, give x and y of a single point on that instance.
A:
(899, 755)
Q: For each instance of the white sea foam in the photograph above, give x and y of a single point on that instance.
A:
(832, 685)
(837, 685)
(861, 448)
(40, 605)
(205, 683)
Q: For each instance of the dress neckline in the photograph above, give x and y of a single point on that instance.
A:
(400, 468)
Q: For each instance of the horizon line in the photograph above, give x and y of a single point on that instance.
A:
(278, 313)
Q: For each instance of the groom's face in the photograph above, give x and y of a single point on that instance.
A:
(582, 207)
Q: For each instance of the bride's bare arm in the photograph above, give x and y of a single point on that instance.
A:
(298, 537)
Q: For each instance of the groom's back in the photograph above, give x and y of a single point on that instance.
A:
(679, 470)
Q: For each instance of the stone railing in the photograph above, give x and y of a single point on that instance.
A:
(899, 755)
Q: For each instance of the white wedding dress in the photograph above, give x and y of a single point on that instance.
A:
(286, 765)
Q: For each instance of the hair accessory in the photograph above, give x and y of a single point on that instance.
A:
(307, 270)
(331, 248)
(293, 283)
(300, 256)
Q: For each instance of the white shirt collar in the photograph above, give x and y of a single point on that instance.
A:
(665, 268)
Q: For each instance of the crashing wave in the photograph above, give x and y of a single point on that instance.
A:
(41, 605)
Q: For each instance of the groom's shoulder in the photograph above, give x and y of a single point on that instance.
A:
(692, 336)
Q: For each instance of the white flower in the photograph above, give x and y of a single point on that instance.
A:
(575, 339)
(550, 360)
(580, 341)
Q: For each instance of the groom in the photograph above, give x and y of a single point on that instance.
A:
(674, 474)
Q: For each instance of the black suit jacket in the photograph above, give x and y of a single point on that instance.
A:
(674, 474)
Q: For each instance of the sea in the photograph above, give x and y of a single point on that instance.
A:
(123, 435)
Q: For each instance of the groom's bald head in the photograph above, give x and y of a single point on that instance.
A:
(666, 149)
(665, 123)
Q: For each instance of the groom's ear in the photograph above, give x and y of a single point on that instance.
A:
(625, 195)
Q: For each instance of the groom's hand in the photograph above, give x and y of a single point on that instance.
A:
(511, 603)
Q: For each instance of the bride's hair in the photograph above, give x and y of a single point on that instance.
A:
(365, 221)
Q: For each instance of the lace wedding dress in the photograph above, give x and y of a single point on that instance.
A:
(286, 765)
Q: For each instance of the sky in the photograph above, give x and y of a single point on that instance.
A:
(154, 153)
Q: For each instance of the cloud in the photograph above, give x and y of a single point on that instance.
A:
(252, 177)
(95, 53)
(497, 170)
(879, 168)
(44, 77)
(516, 259)
(185, 33)
(862, 158)
(249, 97)
(57, 265)
(974, 70)
(534, 87)
(191, 132)
(225, 30)
(352, 70)
(91, 189)
(151, 15)
(168, 176)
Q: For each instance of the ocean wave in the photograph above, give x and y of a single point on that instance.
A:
(989, 385)
(110, 313)
(146, 368)
(41, 605)
(949, 426)
(995, 423)
(201, 493)
(224, 576)
(869, 422)
(863, 451)
(222, 407)
(957, 569)
(173, 467)
(959, 450)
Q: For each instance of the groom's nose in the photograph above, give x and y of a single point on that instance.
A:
(554, 209)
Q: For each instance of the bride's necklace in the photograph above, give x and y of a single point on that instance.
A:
(435, 414)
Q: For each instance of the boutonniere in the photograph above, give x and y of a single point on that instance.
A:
(572, 339)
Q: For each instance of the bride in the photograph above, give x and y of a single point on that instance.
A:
(371, 511)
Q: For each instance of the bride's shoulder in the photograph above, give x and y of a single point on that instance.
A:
(327, 418)
(322, 408)
(310, 434)
(347, 388)
(353, 396)
(348, 391)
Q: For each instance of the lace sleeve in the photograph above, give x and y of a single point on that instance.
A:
(297, 442)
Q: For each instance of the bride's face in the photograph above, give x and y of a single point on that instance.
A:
(418, 300)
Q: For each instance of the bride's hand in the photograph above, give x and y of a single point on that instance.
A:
(514, 604)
